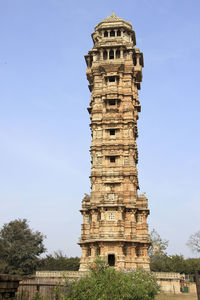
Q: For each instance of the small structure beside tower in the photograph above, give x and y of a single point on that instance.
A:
(114, 216)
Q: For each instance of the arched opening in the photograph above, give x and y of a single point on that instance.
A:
(105, 33)
(134, 60)
(118, 32)
(111, 54)
(111, 260)
(118, 54)
(105, 55)
(111, 78)
(112, 33)
(137, 251)
(112, 102)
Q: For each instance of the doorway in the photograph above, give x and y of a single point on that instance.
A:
(111, 260)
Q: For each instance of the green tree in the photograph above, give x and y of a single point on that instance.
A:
(20, 247)
(159, 262)
(58, 262)
(191, 264)
(105, 283)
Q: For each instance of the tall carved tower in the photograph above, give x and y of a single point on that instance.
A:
(114, 216)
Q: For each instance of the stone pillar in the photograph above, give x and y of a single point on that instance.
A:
(114, 50)
(8, 286)
(121, 52)
(138, 60)
(84, 251)
(101, 54)
(102, 213)
(93, 251)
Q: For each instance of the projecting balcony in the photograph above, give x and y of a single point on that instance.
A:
(138, 73)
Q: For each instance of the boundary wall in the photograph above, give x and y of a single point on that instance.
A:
(45, 283)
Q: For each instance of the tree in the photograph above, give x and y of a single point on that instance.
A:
(105, 283)
(157, 254)
(158, 245)
(58, 262)
(191, 264)
(194, 242)
(20, 247)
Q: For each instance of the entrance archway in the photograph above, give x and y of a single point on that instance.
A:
(111, 260)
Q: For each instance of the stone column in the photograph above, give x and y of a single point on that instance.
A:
(121, 52)
(102, 213)
(120, 212)
(93, 251)
(84, 251)
(114, 51)
(101, 54)
(84, 217)
(137, 60)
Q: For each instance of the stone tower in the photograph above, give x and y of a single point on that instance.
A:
(114, 216)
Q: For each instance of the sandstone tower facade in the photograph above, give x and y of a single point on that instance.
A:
(114, 216)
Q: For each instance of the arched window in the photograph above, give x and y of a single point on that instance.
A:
(118, 54)
(137, 251)
(118, 32)
(105, 55)
(111, 54)
(105, 33)
(112, 33)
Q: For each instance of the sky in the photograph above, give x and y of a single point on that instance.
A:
(44, 123)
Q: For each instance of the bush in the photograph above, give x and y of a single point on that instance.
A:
(58, 262)
(105, 283)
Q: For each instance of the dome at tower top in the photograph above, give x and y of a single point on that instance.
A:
(113, 20)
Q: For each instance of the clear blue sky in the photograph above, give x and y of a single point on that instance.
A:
(44, 124)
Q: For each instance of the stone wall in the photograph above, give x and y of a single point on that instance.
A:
(44, 283)
(169, 282)
(8, 286)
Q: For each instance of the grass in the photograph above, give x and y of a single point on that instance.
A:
(176, 297)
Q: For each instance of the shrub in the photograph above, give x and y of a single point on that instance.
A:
(105, 283)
